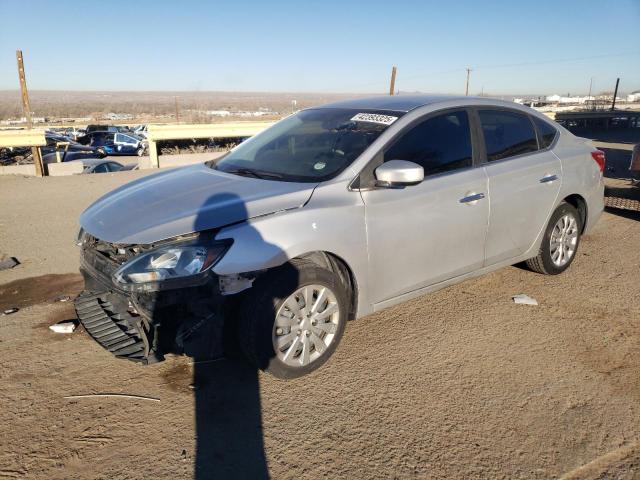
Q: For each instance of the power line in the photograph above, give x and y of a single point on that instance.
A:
(560, 60)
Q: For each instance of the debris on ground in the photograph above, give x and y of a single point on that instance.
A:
(116, 395)
(7, 262)
(523, 299)
(68, 326)
(9, 311)
(63, 298)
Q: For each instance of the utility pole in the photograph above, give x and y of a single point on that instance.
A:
(177, 111)
(466, 91)
(615, 94)
(392, 86)
(26, 108)
(590, 85)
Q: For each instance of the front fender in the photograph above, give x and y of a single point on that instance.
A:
(333, 221)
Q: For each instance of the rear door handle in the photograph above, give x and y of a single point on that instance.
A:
(472, 199)
(548, 178)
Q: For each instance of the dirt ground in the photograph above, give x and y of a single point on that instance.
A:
(461, 383)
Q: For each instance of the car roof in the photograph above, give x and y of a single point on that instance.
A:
(406, 103)
(92, 162)
(398, 103)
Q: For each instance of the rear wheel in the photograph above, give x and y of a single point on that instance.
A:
(292, 319)
(560, 242)
(140, 151)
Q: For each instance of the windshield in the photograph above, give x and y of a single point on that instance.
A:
(310, 146)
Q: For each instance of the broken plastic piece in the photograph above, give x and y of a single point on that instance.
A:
(8, 262)
(63, 298)
(231, 284)
(9, 311)
(524, 299)
(67, 326)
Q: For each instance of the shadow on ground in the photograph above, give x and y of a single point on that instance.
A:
(210, 329)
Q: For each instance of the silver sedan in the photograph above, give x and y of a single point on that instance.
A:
(331, 214)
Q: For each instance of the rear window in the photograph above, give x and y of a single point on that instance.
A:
(547, 132)
(507, 134)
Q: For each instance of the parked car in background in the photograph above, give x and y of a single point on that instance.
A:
(97, 165)
(73, 132)
(115, 143)
(107, 128)
(331, 214)
(634, 166)
(141, 130)
(63, 149)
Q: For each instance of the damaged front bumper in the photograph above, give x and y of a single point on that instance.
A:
(144, 326)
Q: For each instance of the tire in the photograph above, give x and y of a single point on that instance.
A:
(140, 151)
(257, 331)
(544, 262)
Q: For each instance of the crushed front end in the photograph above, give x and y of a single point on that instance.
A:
(143, 321)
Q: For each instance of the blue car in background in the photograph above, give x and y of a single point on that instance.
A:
(115, 143)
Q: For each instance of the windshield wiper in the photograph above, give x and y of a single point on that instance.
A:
(253, 173)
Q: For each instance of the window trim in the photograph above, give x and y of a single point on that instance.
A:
(365, 180)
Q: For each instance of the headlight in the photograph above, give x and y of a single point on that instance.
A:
(80, 237)
(169, 263)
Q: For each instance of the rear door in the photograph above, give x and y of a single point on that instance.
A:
(423, 234)
(524, 182)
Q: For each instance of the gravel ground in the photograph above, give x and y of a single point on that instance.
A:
(461, 383)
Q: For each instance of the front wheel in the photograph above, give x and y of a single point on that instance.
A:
(560, 242)
(140, 151)
(292, 319)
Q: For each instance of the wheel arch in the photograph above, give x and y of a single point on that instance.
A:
(341, 268)
(580, 204)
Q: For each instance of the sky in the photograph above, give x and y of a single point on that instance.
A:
(512, 47)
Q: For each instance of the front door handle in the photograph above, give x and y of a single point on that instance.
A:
(548, 178)
(472, 199)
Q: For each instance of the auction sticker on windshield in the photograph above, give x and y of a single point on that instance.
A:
(374, 118)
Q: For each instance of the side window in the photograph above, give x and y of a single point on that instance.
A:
(120, 138)
(507, 134)
(114, 167)
(439, 144)
(546, 131)
(102, 168)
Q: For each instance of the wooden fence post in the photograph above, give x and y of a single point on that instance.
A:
(26, 108)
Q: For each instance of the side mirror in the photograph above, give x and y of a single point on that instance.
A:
(399, 174)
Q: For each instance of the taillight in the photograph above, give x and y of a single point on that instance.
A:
(598, 156)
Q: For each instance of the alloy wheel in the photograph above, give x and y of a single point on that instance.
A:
(306, 324)
(564, 239)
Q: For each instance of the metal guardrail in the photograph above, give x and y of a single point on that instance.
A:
(22, 138)
(28, 137)
(214, 130)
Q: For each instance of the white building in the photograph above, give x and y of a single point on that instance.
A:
(559, 99)
(634, 96)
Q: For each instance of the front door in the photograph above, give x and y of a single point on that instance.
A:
(423, 234)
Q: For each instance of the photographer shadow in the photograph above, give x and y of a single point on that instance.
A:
(228, 414)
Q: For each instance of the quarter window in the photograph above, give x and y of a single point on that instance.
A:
(546, 132)
(439, 144)
(507, 134)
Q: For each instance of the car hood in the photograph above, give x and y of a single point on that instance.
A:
(186, 200)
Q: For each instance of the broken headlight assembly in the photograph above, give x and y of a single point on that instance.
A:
(170, 266)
